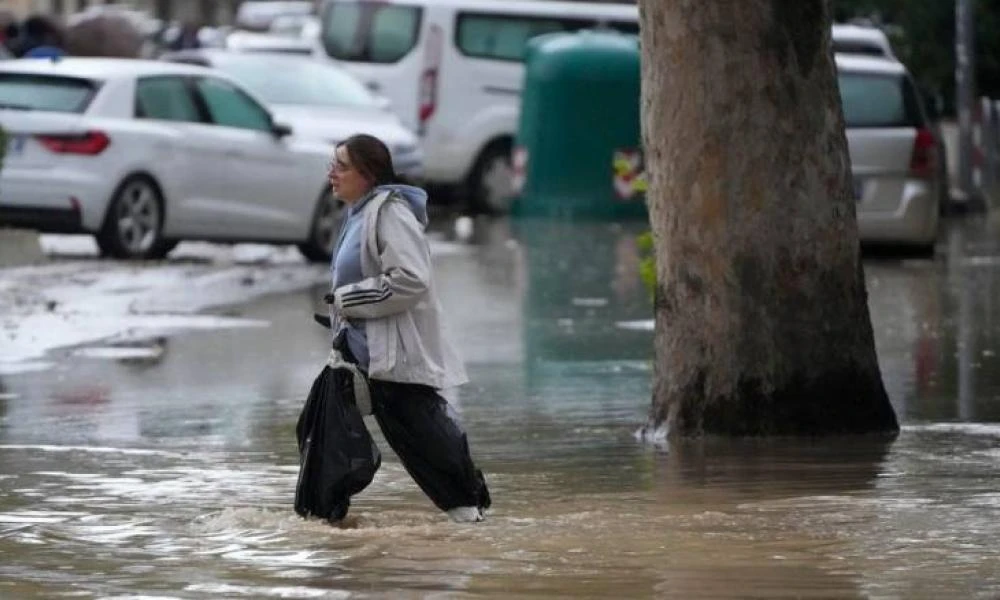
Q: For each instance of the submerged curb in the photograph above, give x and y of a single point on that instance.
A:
(20, 247)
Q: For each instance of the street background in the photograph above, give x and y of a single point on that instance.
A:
(147, 407)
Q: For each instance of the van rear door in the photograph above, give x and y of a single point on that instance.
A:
(380, 42)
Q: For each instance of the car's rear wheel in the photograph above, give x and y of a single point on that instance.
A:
(327, 220)
(133, 225)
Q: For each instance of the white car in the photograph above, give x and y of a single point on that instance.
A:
(894, 153)
(143, 154)
(318, 100)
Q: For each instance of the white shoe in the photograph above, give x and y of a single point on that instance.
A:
(466, 514)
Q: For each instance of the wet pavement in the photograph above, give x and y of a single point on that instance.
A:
(170, 473)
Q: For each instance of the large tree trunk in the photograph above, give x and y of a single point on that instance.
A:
(762, 324)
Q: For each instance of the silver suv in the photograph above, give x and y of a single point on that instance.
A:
(898, 175)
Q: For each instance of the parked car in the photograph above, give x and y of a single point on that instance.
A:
(318, 100)
(893, 149)
(143, 154)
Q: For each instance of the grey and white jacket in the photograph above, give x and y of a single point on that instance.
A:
(407, 338)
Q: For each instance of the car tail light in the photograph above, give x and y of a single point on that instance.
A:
(923, 163)
(89, 144)
(519, 164)
(428, 93)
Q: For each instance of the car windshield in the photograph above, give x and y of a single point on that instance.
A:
(300, 82)
(875, 100)
(28, 91)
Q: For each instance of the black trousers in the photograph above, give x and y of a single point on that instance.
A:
(423, 431)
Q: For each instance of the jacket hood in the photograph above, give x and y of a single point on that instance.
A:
(415, 197)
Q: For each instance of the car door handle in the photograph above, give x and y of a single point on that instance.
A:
(234, 154)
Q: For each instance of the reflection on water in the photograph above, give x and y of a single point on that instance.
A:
(937, 328)
(169, 473)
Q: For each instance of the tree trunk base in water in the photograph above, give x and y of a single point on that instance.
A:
(831, 403)
(653, 434)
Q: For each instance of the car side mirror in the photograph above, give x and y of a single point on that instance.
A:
(280, 130)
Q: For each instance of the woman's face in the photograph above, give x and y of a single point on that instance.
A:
(347, 182)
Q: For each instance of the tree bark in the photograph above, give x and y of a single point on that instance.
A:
(762, 323)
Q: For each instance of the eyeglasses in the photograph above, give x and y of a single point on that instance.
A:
(337, 166)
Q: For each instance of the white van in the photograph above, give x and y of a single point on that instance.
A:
(453, 71)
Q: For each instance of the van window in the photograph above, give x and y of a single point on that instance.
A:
(505, 37)
(874, 100)
(370, 31)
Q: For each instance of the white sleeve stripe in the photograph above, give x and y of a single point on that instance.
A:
(366, 299)
(364, 293)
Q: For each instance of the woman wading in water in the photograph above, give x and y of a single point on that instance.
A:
(386, 319)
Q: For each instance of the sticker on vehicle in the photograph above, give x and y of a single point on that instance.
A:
(629, 173)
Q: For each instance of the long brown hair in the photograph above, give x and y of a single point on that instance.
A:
(370, 156)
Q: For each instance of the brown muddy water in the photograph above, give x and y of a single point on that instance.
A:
(172, 477)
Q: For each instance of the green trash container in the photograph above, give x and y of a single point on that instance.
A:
(578, 148)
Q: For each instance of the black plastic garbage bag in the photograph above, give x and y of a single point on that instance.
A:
(425, 432)
(337, 456)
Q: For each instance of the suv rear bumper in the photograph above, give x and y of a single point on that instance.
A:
(56, 198)
(915, 220)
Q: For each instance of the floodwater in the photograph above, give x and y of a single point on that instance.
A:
(170, 474)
